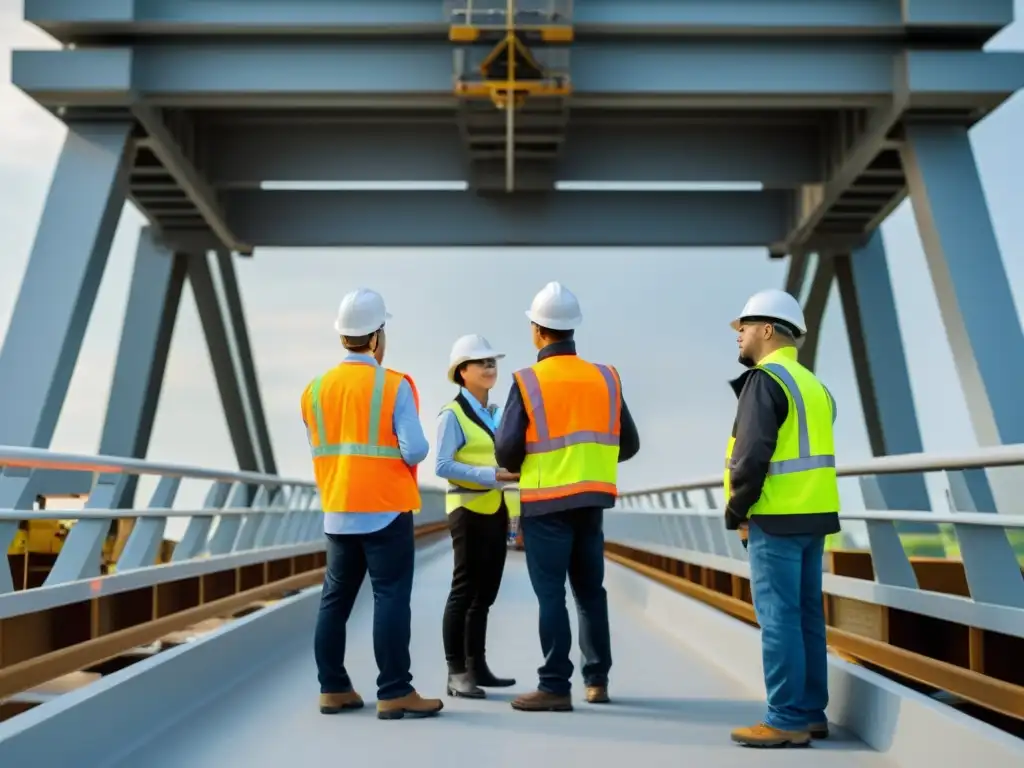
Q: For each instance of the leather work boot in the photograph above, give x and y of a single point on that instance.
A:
(483, 676)
(333, 703)
(463, 685)
(819, 730)
(762, 735)
(542, 701)
(597, 694)
(412, 705)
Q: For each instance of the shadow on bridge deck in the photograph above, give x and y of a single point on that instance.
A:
(669, 703)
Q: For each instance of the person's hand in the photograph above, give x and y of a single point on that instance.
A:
(504, 476)
(744, 531)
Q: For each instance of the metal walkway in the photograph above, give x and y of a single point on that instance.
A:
(669, 703)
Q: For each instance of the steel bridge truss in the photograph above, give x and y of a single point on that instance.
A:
(835, 113)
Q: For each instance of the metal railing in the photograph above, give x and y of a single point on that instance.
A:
(246, 518)
(685, 522)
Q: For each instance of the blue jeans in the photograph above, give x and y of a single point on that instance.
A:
(560, 544)
(388, 555)
(785, 580)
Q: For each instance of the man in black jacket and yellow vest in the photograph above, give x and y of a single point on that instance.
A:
(783, 497)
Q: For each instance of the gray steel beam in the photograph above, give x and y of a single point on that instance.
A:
(880, 365)
(608, 151)
(153, 300)
(970, 282)
(177, 155)
(814, 308)
(68, 19)
(59, 287)
(624, 74)
(424, 219)
(244, 413)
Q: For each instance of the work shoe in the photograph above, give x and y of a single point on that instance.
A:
(333, 703)
(597, 694)
(819, 730)
(762, 735)
(483, 676)
(542, 701)
(461, 684)
(412, 705)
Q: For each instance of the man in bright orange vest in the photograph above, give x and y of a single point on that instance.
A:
(366, 439)
(565, 429)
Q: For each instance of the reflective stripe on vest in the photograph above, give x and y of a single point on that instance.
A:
(563, 461)
(477, 451)
(371, 448)
(801, 476)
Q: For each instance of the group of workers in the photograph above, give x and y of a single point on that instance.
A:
(563, 431)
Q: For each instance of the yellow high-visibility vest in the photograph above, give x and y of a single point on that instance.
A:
(478, 451)
(802, 475)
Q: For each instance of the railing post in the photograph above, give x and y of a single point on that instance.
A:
(79, 558)
(226, 533)
(15, 494)
(144, 541)
(193, 543)
(251, 525)
(888, 558)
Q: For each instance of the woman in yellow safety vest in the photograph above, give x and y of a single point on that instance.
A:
(478, 514)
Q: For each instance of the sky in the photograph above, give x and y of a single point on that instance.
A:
(675, 367)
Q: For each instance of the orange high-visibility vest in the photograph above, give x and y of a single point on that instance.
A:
(572, 441)
(356, 460)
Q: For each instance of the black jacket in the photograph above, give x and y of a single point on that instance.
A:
(510, 442)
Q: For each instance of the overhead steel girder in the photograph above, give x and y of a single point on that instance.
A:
(69, 20)
(178, 158)
(443, 219)
(632, 74)
(777, 156)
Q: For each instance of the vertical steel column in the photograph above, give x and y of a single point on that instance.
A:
(974, 295)
(153, 301)
(59, 288)
(814, 307)
(883, 381)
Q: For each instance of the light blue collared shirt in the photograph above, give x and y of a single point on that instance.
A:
(411, 442)
(451, 438)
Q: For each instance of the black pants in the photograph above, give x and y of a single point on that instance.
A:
(560, 544)
(480, 544)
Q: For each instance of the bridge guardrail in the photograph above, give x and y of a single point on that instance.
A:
(951, 623)
(107, 591)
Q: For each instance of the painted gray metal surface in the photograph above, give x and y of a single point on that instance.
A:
(798, 18)
(970, 283)
(245, 151)
(736, 73)
(438, 218)
(669, 704)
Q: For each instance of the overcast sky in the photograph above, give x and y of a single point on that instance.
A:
(674, 368)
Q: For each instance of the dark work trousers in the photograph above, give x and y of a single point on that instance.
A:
(480, 544)
(570, 543)
(389, 556)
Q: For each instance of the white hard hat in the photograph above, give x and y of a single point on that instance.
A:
(555, 307)
(471, 347)
(361, 313)
(775, 304)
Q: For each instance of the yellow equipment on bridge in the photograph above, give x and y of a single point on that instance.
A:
(512, 71)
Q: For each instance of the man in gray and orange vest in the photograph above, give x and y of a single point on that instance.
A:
(366, 440)
(565, 429)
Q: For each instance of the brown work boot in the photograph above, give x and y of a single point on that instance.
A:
(412, 705)
(333, 703)
(762, 735)
(597, 694)
(542, 701)
(819, 730)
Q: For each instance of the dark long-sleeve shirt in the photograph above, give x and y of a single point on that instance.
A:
(760, 413)
(510, 442)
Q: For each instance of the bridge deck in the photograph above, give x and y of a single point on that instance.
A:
(668, 703)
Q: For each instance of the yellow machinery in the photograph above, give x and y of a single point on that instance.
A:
(511, 72)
